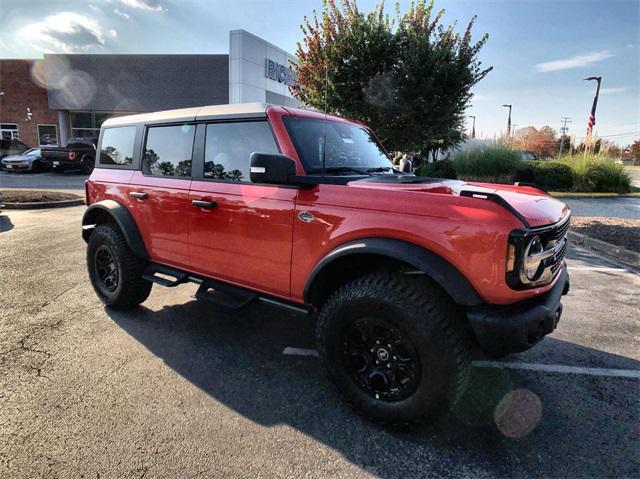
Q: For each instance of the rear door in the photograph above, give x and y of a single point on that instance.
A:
(160, 192)
(241, 232)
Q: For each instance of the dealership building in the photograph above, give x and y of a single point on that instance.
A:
(62, 96)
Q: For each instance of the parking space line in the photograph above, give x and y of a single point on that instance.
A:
(597, 268)
(558, 368)
(300, 352)
(548, 368)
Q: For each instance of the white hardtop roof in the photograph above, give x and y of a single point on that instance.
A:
(237, 110)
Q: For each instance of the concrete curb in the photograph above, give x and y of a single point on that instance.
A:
(616, 252)
(43, 205)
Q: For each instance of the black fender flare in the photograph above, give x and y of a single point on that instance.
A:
(95, 214)
(434, 266)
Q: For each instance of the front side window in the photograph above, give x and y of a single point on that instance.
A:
(347, 145)
(229, 146)
(117, 146)
(168, 150)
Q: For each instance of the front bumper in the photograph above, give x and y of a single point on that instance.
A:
(501, 329)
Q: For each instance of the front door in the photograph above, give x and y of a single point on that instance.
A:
(160, 193)
(240, 232)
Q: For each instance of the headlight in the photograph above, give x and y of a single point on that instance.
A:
(532, 261)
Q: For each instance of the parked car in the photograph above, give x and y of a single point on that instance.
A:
(79, 154)
(9, 147)
(529, 156)
(408, 275)
(31, 160)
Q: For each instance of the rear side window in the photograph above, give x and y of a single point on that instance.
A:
(117, 146)
(167, 151)
(229, 146)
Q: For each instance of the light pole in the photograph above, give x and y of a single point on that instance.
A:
(592, 117)
(508, 121)
(473, 128)
(563, 133)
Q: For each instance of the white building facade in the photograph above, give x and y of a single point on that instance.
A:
(259, 71)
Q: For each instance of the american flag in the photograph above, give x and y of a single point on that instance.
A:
(590, 122)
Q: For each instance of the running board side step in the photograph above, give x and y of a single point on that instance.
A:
(226, 295)
(162, 275)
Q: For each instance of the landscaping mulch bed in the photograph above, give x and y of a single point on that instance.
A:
(32, 196)
(617, 231)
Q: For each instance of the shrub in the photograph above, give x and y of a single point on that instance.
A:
(553, 175)
(438, 169)
(595, 173)
(525, 171)
(490, 163)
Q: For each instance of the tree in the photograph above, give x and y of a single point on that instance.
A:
(542, 142)
(411, 84)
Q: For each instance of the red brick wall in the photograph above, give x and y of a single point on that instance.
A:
(21, 92)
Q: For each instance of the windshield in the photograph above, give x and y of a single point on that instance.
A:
(32, 150)
(348, 146)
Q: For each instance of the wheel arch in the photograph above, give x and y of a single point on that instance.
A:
(363, 256)
(110, 211)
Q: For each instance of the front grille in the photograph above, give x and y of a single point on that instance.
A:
(556, 237)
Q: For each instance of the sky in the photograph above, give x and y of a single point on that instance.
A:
(541, 50)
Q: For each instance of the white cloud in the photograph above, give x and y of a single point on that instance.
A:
(610, 91)
(479, 97)
(113, 33)
(65, 31)
(122, 14)
(93, 7)
(574, 62)
(151, 5)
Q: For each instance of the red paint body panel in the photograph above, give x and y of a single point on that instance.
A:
(247, 238)
(255, 239)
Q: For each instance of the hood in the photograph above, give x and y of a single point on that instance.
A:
(532, 206)
(21, 157)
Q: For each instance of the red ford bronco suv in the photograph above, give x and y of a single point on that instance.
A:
(253, 202)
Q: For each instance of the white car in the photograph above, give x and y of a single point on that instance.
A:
(30, 160)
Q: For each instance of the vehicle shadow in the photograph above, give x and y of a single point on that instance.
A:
(580, 425)
(5, 223)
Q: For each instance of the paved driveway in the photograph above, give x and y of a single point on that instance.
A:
(612, 207)
(69, 180)
(178, 388)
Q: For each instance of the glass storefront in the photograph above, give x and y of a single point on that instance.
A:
(47, 135)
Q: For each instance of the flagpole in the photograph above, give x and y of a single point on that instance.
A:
(592, 116)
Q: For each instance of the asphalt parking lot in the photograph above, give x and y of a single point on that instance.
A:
(183, 389)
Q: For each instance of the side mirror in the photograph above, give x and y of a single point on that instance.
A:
(269, 168)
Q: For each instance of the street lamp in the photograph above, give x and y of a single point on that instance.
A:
(508, 121)
(473, 128)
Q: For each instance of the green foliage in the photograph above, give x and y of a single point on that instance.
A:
(488, 163)
(438, 169)
(553, 175)
(524, 171)
(411, 85)
(595, 173)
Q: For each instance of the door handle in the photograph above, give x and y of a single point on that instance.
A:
(138, 195)
(207, 205)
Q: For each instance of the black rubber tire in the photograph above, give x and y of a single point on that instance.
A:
(131, 289)
(87, 165)
(423, 313)
(59, 170)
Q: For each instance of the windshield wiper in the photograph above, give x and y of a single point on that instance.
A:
(379, 169)
(338, 169)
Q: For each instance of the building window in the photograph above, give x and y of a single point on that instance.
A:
(9, 131)
(168, 150)
(86, 124)
(48, 135)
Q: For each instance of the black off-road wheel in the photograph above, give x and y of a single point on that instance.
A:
(395, 348)
(88, 162)
(115, 272)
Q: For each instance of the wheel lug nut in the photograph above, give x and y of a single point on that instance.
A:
(389, 365)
